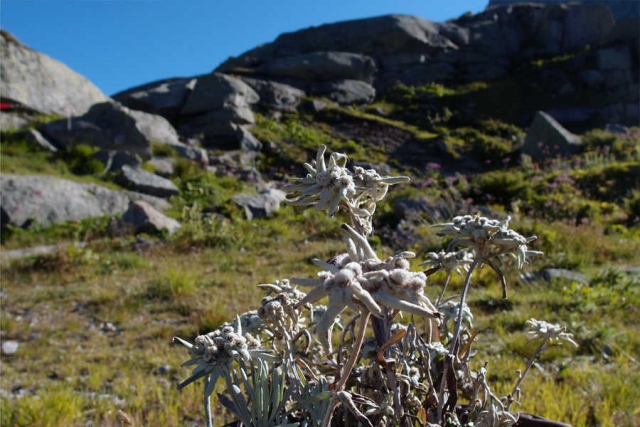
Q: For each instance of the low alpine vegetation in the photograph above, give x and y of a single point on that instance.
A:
(400, 358)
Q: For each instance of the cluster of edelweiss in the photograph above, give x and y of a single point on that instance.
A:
(410, 377)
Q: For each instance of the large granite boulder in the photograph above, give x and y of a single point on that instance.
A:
(12, 120)
(141, 217)
(529, 29)
(217, 112)
(164, 97)
(48, 200)
(109, 125)
(261, 205)
(346, 91)
(216, 91)
(42, 83)
(321, 66)
(275, 95)
(142, 181)
(547, 139)
(374, 37)
(586, 24)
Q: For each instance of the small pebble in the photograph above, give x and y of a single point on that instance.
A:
(9, 347)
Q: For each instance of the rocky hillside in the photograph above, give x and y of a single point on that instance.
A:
(461, 98)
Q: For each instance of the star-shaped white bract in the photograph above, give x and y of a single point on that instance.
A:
(325, 185)
(539, 329)
(362, 281)
(213, 353)
(333, 186)
(488, 238)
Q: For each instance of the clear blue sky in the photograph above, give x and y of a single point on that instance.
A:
(118, 44)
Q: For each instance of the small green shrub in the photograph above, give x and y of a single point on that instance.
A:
(492, 150)
(203, 231)
(175, 282)
(502, 187)
(632, 207)
(163, 150)
(81, 161)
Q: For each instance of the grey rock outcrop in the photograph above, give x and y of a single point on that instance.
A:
(547, 139)
(164, 97)
(321, 66)
(481, 47)
(111, 126)
(275, 95)
(42, 83)
(216, 91)
(106, 125)
(155, 128)
(530, 30)
(49, 200)
(142, 181)
(113, 161)
(261, 205)
(217, 113)
(163, 166)
(10, 120)
(346, 91)
(141, 217)
(378, 36)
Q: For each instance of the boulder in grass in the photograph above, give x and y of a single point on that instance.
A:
(41, 83)
(111, 126)
(163, 97)
(48, 200)
(346, 91)
(215, 91)
(140, 180)
(547, 139)
(261, 205)
(276, 95)
(141, 217)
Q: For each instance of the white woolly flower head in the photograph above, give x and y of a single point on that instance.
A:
(214, 352)
(458, 261)
(333, 186)
(487, 237)
(539, 329)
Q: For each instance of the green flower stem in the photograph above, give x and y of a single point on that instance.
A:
(532, 359)
(347, 369)
(456, 333)
(444, 288)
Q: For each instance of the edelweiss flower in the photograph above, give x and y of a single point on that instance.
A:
(335, 186)
(551, 331)
(489, 238)
(467, 230)
(493, 412)
(449, 261)
(451, 309)
(279, 315)
(361, 281)
(495, 415)
(343, 289)
(213, 353)
(323, 185)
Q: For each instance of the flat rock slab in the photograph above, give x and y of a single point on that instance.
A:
(49, 200)
(36, 250)
(145, 182)
(260, 205)
(143, 218)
